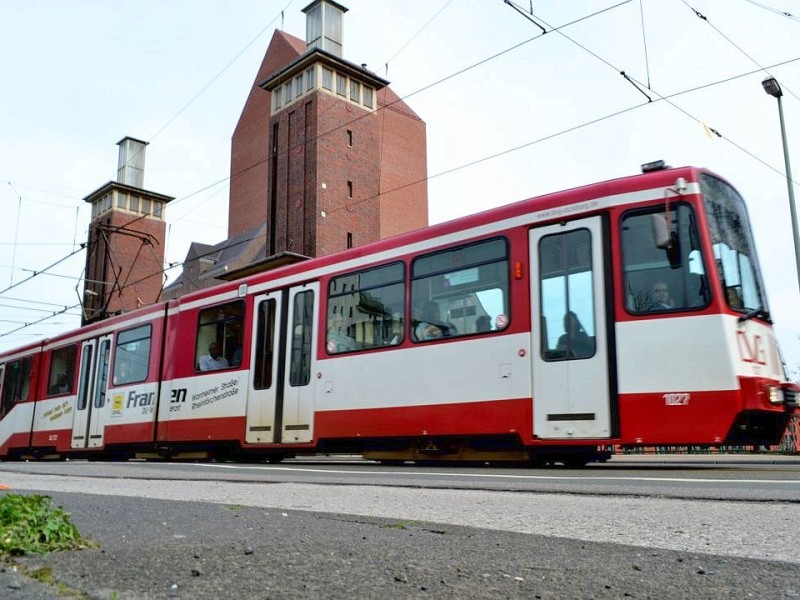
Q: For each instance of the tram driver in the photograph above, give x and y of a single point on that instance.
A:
(661, 300)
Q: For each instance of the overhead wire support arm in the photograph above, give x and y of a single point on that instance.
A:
(526, 15)
(634, 84)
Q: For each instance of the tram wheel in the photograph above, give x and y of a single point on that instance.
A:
(575, 462)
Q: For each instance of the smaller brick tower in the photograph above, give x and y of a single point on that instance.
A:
(125, 249)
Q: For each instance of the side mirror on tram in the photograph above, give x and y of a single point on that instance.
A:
(666, 239)
(661, 232)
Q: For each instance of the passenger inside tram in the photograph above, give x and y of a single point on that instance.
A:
(575, 342)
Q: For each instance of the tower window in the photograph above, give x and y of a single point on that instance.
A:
(349, 240)
(368, 97)
(349, 189)
(350, 137)
(327, 78)
(298, 86)
(310, 79)
(355, 91)
(341, 84)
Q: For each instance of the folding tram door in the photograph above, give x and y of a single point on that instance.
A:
(281, 391)
(87, 428)
(571, 364)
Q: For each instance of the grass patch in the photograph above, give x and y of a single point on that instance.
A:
(32, 525)
(400, 525)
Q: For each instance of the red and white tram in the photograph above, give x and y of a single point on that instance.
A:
(625, 313)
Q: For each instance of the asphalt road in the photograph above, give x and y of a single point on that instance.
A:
(160, 538)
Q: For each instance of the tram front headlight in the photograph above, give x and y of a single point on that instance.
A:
(775, 394)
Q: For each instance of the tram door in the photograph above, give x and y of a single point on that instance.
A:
(280, 398)
(87, 428)
(571, 394)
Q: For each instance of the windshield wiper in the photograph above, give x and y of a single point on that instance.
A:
(756, 312)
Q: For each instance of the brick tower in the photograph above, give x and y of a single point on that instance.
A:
(125, 250)
(324, 152)
(324, 157)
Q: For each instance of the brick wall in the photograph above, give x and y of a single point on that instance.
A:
(131, 271)
(250, 140)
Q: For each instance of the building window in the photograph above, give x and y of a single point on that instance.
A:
(134, 207)
(327, 79)
(122, 200)
(158, 208)
(276, 99)
(368, 97)
(310, 79)
(355, 91)
(146, 204)
(341, 84)
(349, 239)
(350, 137)
(298, 86)
(287, 92)
(349, 189)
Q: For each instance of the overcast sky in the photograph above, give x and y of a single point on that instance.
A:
(510, 113)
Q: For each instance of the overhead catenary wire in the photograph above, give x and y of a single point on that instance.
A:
(386, 106)
(554, 135)
(777, 11)
(509, 150)
(217, 76)
(413, 37)
(702, 17)
(667, 99)
(644, 42)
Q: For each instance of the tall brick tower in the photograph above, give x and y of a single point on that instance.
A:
(125, 251)
(324, 157)
(325, 153)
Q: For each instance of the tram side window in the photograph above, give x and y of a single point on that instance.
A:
(567, 296)
(219, 337)
(132, 355)
(62, 371)
(461, 291)
(302, 329)
(664, 267)
(365, 309)
(16, 383)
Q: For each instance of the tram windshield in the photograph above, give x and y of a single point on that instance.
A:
(734, 250)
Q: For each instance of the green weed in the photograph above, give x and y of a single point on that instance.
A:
(400, 525)
(31, 525)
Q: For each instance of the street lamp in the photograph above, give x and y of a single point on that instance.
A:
(773, 88)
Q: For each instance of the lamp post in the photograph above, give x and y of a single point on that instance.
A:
(773, 88)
